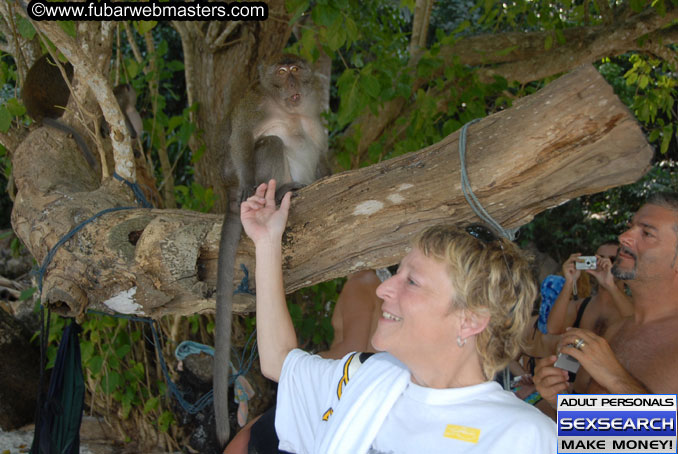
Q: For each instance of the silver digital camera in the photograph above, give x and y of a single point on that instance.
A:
(586, 262)
(567, 362)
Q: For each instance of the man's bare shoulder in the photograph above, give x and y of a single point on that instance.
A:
(649, 351)
(616, 328)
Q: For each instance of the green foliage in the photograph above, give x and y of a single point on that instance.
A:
(649, 87)
(583, 223)
(118, 367)
(311, 311)
(25, 28)
(195, 197)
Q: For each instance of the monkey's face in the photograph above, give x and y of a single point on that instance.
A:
(289, 80)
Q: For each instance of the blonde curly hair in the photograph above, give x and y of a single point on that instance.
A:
(490, 276)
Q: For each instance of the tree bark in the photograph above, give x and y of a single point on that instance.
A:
(571, 138)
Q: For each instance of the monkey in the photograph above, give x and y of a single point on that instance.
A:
(276, 133)
(45, 95)
(126, 96)
(127, 100)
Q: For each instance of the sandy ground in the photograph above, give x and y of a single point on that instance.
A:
(19, 441)
(93, 440)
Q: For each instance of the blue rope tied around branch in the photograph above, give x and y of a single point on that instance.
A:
(141, 199)
(68, 236)
(50, 255)
(471, 198)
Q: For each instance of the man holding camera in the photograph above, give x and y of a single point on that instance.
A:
(639, 354)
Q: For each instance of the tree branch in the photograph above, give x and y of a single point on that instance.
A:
(420, 24)
(571, 138)
(521, 57)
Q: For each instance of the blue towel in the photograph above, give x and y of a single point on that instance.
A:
(550, 289)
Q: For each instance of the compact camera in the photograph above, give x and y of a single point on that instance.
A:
(567, 362)
(586, 262)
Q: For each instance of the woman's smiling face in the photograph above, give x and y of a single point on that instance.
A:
(418, 318)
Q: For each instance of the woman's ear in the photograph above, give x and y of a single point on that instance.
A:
(472, 323)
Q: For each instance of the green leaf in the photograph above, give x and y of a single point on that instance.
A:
(175, 122)
(122, 351)
(25, 28)
(5, 119)
(151, 404)
(351, 29)
(28, 293)
(145, 26)
(548, 43)
(126, 402)
(637, 5)
(15, 107)
(560, 36)
(336, 36)
(110, 382)
(370, 85)
(643, 80)
(506, 51)
(132, 67)
(166, 418)
(667, 134)
(69, 27)
(95, 365)
(324, 15)
(349, 94)
(296, 7)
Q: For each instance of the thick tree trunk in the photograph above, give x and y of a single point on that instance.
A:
(573, 137)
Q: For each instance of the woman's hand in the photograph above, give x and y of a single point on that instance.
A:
(260, 218)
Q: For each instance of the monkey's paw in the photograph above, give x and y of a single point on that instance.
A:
(285, 188)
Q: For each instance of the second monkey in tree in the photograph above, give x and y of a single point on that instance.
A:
(276, 133)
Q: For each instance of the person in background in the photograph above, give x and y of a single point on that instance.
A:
(597, 312)
(639, 353)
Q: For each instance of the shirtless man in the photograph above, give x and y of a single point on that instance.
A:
(605, 308)
(642, 353)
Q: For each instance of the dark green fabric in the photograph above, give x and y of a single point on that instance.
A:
(57, 428)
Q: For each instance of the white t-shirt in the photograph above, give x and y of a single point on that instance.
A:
(481, 419)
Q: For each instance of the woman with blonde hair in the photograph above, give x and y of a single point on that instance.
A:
(452, 316)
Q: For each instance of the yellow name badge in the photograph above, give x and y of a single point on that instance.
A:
(468, 434)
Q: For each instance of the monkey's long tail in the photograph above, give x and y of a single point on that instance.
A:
(230, 237)
(56, 124)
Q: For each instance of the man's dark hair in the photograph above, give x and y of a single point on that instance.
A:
(614, 242)
(668, 200)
